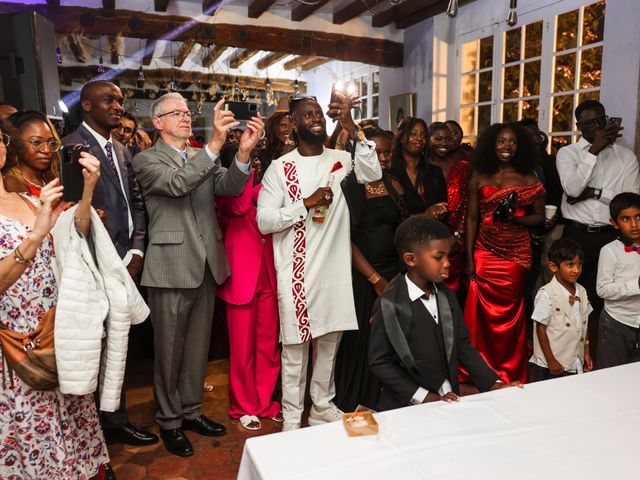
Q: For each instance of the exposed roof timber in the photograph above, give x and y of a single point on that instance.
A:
(210, 6)
(433, 10)
(394, 14)
(270, 59)
(240, 57)
(352, 10)
(53, 3)
(297, 62)
(161, 5)
(212, 55)
(164, 75)
(258, 7)
(115, 43)
(151, 26)
(303, 10)
(149, 49)
(184, 51)
(76, 47)
(314, 63)
(108, 4)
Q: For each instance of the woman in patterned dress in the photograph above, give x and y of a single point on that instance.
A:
(43, 434)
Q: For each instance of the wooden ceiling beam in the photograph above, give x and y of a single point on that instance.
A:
(106, 4)
(149, 50)
(161, 5)
(184, 51)
(240, 57)
(212, 55)
(76, 47)
(315, 63)
(297, 62)
(303, 10)
(53, 3)
(83, 74)
(405, 9)
(352, 10)
(272, 58)
(209, 7)
(372, 51)
(431, 11)
(258, 7)
(115, 44)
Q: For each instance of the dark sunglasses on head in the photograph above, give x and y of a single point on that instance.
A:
(293, 101)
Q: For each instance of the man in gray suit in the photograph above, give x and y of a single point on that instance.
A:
(185, 258)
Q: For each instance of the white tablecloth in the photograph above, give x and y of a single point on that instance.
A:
(580, 427)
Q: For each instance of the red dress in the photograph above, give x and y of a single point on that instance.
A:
(494, 310)
(457, 199)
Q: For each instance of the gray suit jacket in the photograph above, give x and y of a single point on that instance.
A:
(183, 226)
(108, 194)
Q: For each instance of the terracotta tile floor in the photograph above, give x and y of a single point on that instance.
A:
(214, 458)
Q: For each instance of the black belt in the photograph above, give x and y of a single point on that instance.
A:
(589, 228)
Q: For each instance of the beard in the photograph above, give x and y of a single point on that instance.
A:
(307, 136)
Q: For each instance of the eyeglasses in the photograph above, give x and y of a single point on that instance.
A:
(293, 101)
(176, 114)
(594, 122)
(6, 139)
(40, 145)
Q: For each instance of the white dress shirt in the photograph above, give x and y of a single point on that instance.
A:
(431, 304)
(617, 283)
(103, 142)
(614, 170)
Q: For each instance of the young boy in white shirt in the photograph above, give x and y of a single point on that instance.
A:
(561, 315)
(619, 285)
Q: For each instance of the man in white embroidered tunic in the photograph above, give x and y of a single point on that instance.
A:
(313, 259)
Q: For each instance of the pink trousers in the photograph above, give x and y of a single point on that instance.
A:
(254, 352)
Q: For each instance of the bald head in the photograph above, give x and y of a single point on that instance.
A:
(102, 106)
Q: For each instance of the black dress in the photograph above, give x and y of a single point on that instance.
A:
(374, 237)
(434, 186)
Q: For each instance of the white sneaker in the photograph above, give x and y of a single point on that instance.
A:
(331, 414)
(288, 426)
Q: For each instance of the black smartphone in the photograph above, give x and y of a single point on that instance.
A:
(617, 121)
(242, 110)
(71, 172)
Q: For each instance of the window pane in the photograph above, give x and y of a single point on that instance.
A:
(509, 112)
(593, 26)
(530, 109)
(375, 88)
(591, 67)
(589, 96)
(486, 52)
(533, 40)
(531, 79)
(512, 45)
(558, 142)
(484, 89)
(374, 106)
(364, 86)
(562, 114)
(363, 108)
(564, 78)
(567, 31)
(358, 86)
(468, 89)
(467, 116)
(470, 56)
(484, 117)
(512, 82)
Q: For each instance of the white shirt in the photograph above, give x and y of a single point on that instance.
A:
(244, 167)
(431, 305)
(103, 142)
(542, 311)
(617, 283)
(614, 170)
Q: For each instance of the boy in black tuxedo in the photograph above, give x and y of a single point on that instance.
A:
(418, 334)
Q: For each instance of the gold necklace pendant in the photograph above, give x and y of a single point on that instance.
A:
(377, 190)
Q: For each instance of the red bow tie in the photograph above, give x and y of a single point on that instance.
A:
(632, 248)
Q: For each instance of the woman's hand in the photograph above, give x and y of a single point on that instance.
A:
(381, 286)
(50, 209)
(437, 211)
(91, 174)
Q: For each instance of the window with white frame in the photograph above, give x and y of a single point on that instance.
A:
(368, 86)
(540, 70)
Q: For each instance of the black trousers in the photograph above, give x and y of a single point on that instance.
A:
(619, 344)
(538, 373)
(591, 244)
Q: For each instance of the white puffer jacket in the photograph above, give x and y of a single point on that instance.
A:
(96, 299)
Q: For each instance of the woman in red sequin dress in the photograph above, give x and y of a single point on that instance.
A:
(505, 198)
(456, 171)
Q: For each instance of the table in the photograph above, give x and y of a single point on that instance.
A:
(579, 427)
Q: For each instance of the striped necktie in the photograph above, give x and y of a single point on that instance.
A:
(109, 148)
(184, 156)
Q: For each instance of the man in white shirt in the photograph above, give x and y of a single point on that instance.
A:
(593, 171)
(313, 259)
(118, 195)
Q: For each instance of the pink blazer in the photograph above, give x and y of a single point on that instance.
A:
(244, 245)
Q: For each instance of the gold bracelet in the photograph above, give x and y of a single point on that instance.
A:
(19, 258)
(80, 218)
(374, 278)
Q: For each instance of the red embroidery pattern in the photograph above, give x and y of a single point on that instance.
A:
(299, 255)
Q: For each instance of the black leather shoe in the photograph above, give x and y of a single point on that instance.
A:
(109, 473)
(176, 442)
(129, 434)
(204, 426)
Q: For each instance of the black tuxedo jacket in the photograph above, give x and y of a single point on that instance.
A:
(392, 361)
(108, 195)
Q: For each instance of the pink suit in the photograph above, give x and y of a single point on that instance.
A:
(252, 308)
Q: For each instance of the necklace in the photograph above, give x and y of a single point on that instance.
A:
(16, 172)
(376, 190)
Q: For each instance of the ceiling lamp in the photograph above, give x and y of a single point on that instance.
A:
(452, 9)
(512, 16)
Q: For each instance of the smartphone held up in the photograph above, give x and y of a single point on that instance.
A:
(71, 172)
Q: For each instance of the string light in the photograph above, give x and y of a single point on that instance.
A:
(452, 9)
(58, 56)
(512, 16)
(100, 65)
(140, 77)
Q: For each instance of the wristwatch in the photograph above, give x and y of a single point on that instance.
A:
(597, 193)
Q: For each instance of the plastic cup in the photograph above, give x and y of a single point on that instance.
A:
(550, 211)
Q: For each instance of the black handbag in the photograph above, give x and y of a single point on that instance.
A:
(506, 207)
